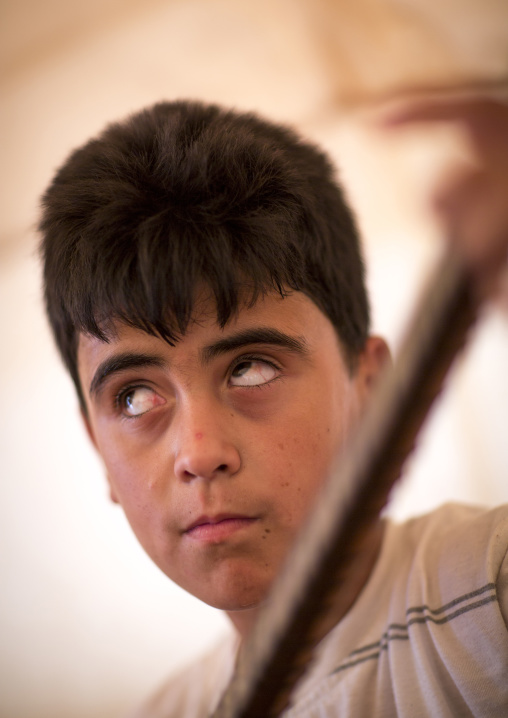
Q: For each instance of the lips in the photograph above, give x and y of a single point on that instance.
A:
(212, 529)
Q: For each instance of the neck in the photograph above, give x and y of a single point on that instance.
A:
(244, 620)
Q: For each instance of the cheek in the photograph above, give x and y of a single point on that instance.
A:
(137, 484)
(305, 444)
(319, 429)
(133, 473)
(299, 464)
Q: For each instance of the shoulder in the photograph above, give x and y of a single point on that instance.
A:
(453, 516)
(461, 552)
(434, 607)
(194, 691)
(466, 538)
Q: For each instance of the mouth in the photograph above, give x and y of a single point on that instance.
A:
(213, 529)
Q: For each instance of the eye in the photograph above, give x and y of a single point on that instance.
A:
(253, 372)
(138, 400)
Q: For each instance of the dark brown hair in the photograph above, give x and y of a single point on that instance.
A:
(185, 194)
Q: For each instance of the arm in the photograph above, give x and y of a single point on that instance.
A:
(472, 199)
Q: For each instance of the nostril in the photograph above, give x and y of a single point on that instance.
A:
(222, 467)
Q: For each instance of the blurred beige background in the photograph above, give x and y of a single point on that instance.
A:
(87, 624)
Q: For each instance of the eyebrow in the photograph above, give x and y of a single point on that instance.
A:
(119, 363)
(133, 360)
(260, 335)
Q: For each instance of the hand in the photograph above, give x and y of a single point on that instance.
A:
(472, 202)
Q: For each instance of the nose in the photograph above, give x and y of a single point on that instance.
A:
(205, 446)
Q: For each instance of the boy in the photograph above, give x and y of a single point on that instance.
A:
(204, 282)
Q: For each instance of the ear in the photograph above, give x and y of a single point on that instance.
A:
(91, 436)
(374, 360)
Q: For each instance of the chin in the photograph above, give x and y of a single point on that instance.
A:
(234, 600)
(236, 593)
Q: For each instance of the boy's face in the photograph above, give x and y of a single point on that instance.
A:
(216, 447)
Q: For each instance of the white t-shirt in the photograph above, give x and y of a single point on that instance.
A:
(426, 637)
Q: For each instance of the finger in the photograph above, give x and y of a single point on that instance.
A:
(447, 109)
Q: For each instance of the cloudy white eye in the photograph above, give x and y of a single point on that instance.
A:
(138, 400)
(253, 372)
